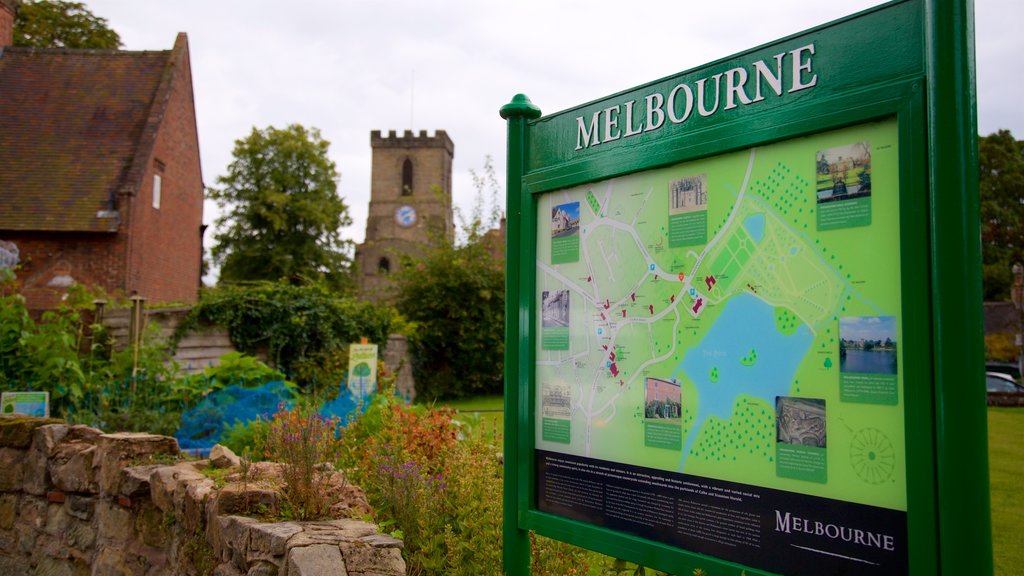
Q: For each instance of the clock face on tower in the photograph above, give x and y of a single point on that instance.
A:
(405, 216)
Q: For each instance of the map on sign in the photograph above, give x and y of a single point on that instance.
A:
(735, 317)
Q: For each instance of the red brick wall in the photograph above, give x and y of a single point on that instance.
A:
(86, 258)
(166, 249)
(6, 25)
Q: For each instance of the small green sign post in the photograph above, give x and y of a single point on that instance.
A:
(737, 301)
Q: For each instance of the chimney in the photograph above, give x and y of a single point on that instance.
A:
(8, 8)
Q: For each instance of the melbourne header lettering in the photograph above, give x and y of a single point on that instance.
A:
(788, 523)
(787, 72)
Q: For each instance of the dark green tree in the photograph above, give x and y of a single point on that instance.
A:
(283, 214)
(58, 24)
(1001, 185)
(455, 296)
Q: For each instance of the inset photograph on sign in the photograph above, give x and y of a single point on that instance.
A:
(843, 186)
(555, 320)
(688, 211)
(565, 233)
(868, 359)
(800, 426)
(556, 409)
(663, 410)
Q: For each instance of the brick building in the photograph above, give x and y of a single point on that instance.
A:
(100, 180)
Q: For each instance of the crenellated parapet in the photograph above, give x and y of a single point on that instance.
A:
(409, 139)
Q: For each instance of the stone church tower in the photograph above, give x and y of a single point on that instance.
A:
(410, 205)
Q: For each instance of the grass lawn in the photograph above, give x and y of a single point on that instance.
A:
(487, 411)
(1006, 469)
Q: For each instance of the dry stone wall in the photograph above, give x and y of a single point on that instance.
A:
(75, 502)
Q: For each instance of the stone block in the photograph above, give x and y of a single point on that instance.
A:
(237, 498)
(116, 451)
(352, 529)
(8, 539)
(115, 523)
(50, 546)
(8, 510)
(46, 438)
(315, 560)
(234, 535)
(16, 431)
(72, 467)
(80, 536)
(196, 496)
(263, 568)
(26, 538)
(81, 507)
(111, 561)
(57, 520)
(271, 539)
(53, 567)
(365, 559)
(135, 480)
(12, 469)
(152, 526)
(37, 473)
(168, 484)
(227, 569)
(32, 511)
(223, 457)
(10, 565)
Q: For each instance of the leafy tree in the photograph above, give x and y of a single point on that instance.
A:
(455, 296)
(1001, 184)
(284, 213)
(58, 24)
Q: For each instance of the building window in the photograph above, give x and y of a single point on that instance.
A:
(407, 178)
(156, 191)
(384, 266)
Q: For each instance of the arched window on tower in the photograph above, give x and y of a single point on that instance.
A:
(384, 266)
(407, 178)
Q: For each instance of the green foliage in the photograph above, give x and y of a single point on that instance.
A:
(58, 24)
(302, 329)
(241, 369)
(89, 383)
(283, 214)
(1001, 185)
(1001, 347)
(455, 295)
(247, 437)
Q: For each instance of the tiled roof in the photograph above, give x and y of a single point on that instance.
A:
(71, 124)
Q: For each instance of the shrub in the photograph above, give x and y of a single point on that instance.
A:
(303, 440)
(299, 327)
(456, 297)
(246, 437)
(241, 369)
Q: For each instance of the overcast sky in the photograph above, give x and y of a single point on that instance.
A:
(351, 66)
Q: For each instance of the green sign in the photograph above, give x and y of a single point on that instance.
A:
(733, 319)
(35, 404)
(362, 369)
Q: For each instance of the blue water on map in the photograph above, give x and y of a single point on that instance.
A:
(755, 226)
(747, 323)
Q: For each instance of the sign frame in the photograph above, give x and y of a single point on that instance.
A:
(926, 83)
